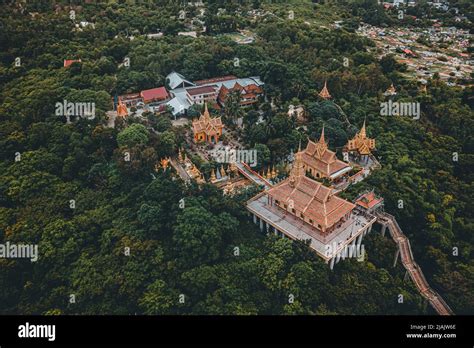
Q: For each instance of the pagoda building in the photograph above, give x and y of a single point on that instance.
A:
(324, 92)
(321, 162)
(369, 202)
(390, 91)
(361, 144)
(206, 128)
(301, 208)
(122, 110)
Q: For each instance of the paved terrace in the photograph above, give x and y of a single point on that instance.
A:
(295, 228)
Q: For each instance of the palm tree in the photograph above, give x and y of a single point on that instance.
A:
(232, 107)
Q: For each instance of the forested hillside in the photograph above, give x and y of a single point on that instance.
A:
(192, 240)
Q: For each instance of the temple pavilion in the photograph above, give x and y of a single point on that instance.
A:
(206, 128)
(361, 144)
(122, 110)
(301, 208)
(321, 162)
(325, 92)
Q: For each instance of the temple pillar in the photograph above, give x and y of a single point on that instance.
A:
(359, 240)
(352, 248)
(275, 231)
(261, 225)
(338, 257)
(396, 257)
(384, 227)
(268, 227)
(331, 263)
(254, 218)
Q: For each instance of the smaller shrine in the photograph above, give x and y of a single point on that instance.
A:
(325, 92)
(361, 144)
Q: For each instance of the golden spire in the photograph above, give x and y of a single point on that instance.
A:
(321, 146)
(363, 133)
(213, 175)
(324, 92)
(273, 172)
(297, 169)
(222, 171)
(322, 140)
(206, 112)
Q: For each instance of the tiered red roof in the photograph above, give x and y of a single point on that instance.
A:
(325, 92)
(249, 92)
(206, 124)
(318, 156)
(368, 200)
(308, 197)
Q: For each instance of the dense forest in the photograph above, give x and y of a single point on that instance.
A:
(116, 237)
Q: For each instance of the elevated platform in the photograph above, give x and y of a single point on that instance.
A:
(274, 219)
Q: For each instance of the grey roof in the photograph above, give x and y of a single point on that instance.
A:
(179, 103)
(175, 79)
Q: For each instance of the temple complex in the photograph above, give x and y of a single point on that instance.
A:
(361, 144)
(206, 128)
(324, 92)
(321, 162)
(301, 208)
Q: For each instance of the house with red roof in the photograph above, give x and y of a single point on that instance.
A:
(369, 202)
(155, 95)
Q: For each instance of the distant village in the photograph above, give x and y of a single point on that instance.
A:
(446, 54)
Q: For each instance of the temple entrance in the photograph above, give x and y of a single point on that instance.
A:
(212, 139)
